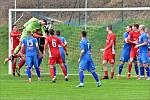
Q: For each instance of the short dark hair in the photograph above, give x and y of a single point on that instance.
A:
(130, 26)
(51, 31)
(58, 32)
(83, 33)
(136, 25)
(44, 20)
(28, 32)
(13, 25)
(109, 27)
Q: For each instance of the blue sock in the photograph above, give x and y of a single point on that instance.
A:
(66, 68)
(141, 71)
(136, 69)
(54, 70)
(95, 76)
(81, 74)
(120, 69)
(147, 71)
(28, 72)
(37, 71)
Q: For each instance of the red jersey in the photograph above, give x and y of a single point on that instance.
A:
(53, 42)
(134, 36)
(110, 43)
(15, 36)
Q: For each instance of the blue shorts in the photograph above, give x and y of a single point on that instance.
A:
(86, 65)
(32, 60)
(143, 58)
(125, 56)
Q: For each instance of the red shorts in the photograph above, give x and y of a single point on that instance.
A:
(109, 57)
(133, 52)
(55, 60)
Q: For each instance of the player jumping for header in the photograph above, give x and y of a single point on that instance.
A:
(30, 25)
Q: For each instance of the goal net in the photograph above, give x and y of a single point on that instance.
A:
(74, 20)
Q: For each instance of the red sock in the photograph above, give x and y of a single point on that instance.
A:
(112, 74)
(21, 63)
(105, 73)
(52, 72)
(14, 66)
(64, 70)
(129, 68)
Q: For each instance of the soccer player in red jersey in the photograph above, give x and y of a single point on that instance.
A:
(109, 52)
(15, 36)
(55, 56)
(133, 38)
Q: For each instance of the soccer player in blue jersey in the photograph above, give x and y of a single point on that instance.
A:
(125, 56)
(32, 49)
(62, 51)
(85, 61)
(143, 50)
(148, 34)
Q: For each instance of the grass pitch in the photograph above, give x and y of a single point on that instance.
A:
(14, 88)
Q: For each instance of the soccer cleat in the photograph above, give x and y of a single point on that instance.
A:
(29, 80)
(80, 85)
(55, 77)
(119, 77)
(98, 84)
(66, 78)
(39, 78)
(105, 77)
(13, 74)
(112, 78)
(129, 76)
(148, 78)
(53, 80)
(18, 72)
(138, 77)
(6, 60)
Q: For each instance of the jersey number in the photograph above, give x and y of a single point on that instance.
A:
(53, 42)
(29, 43)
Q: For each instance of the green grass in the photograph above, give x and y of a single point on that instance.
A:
(14, 88)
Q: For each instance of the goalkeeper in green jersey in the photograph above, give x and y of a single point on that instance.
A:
(30, 25)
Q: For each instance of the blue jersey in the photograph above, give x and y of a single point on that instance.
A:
(126, 45)
(86, 62)
(143, 38)
(125, 56)
(63, 41)
(30, 44)
(86, 46)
